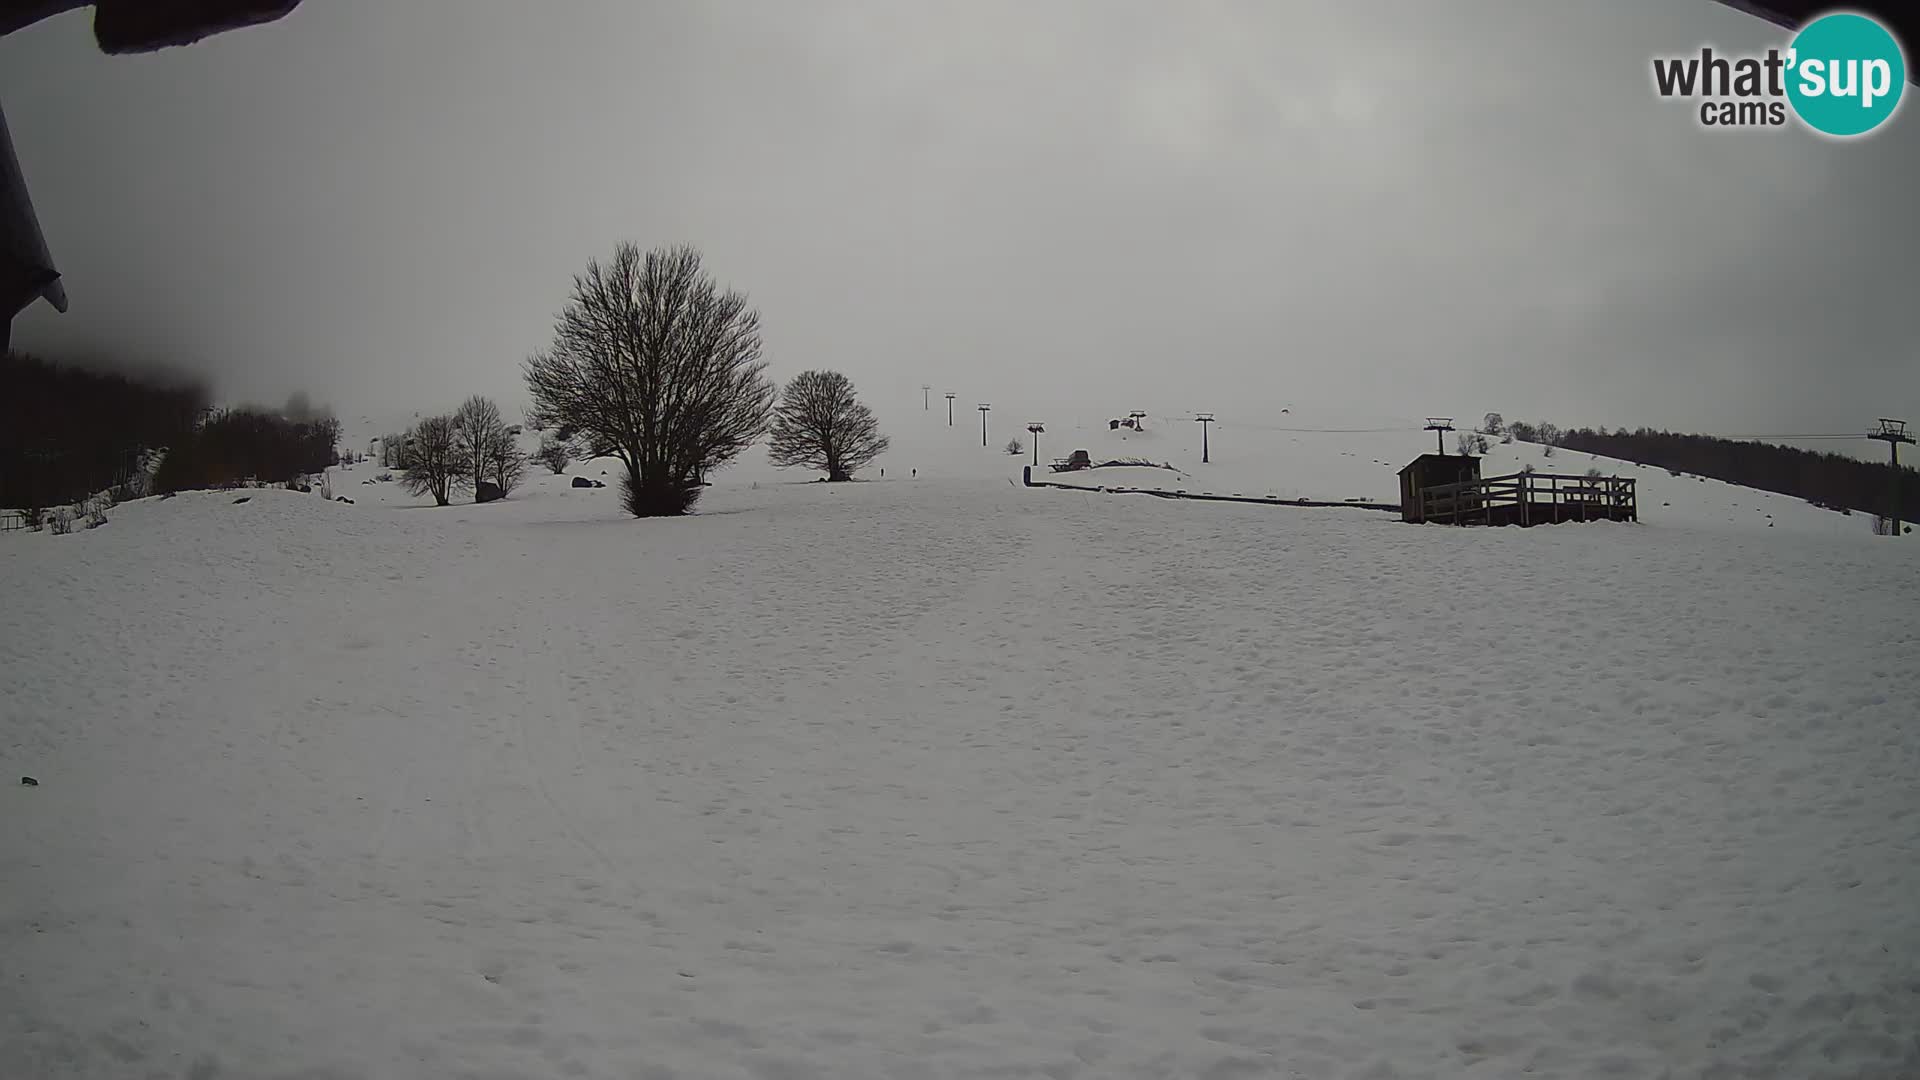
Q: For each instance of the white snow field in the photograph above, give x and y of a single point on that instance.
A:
(953, 778)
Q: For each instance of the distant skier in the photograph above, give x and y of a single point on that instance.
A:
(916, 474)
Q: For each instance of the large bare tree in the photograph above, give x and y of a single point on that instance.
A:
(820, 424)
(655, 365)
(433, 460)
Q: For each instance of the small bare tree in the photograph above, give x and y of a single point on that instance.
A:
(433, 461)
(476, 426)
(554, 454)
(1015, 446)
(653, 364)
(821, 425)
(506, 462)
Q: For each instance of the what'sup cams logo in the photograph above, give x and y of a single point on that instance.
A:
(1843, 75)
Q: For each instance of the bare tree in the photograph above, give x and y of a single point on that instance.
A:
(1015, 446)
(554, 454)
(821, 425)
(506, 462)
(1493, 424)
(476, 425)
(653, 364)
(433, 460)
(393, 450)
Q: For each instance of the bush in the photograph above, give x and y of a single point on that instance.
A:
(1015, 446)
(97, 517)
(60, 521)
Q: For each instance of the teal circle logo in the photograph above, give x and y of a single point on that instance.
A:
(1845, 74)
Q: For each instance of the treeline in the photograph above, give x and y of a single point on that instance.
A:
(1836, 481)
(236, 445)
(69, 432)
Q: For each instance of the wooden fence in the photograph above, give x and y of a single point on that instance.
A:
(1530, 498)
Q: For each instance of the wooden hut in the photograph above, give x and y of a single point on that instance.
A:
(1432, 470)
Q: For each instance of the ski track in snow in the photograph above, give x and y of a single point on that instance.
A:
(951, 780)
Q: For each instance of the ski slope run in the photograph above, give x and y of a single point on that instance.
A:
(950, 778)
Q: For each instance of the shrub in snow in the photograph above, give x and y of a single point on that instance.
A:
(97, 517)
(61, 521)
(1014, 446)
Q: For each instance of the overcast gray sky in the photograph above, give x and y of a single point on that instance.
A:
(1405, 206)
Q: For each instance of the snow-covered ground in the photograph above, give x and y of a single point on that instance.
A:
(944, 777)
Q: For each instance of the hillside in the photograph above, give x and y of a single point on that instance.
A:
(1319, 454)
(952, 778)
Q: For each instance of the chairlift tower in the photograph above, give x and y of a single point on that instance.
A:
(983, 422)
(1035, 429)
(1893, 433)
(926, 396)
(1137, 415)
(1440, 425)
(950, 398)
(1205, 420)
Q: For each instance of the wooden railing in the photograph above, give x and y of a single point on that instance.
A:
(1530, 498)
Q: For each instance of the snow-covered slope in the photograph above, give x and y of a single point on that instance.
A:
(951, 778)
(1306, 452)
